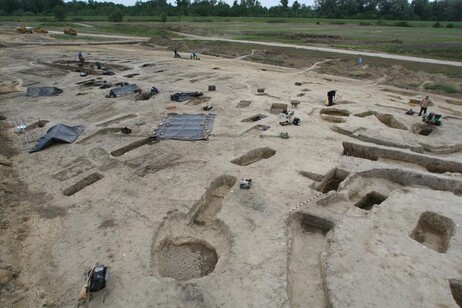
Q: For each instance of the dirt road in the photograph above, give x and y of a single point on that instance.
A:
(327, 49)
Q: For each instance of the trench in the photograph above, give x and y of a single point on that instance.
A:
(117, 120)
(306, 242)
(86, 181)
(254, 156)
(432, 164)
(254, 118)
(209, 205)
(132, 146)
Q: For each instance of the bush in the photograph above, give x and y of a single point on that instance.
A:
(116, 16)
(18, 13)
(163, 17)
(77, 19)
(336, 22)
(450, 26)
(380, 22)
(436, 25)
(441, 87)
(364, 23)
(29, 13)
(276, 21)
(402, 23)
(59, 12)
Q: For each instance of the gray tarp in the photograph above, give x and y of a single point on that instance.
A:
(124, 90)
(185, 96)
(186, 127)
(58, 134)
(43, 91)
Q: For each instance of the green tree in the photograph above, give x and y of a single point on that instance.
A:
(59, 12)
(284, 4)
(116, 16)
(163, 17)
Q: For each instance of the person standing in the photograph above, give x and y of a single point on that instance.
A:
(330, 97)
(424, 103)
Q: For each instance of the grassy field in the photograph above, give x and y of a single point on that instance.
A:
(418, 39)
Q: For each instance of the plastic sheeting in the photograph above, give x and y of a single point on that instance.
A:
(124, 90)
(185, 96)
(43, 91)
(186, 127)
(58, 134)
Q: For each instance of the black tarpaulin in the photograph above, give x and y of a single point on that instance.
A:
(58, 134)
(124, 90)
(185, 96)
(43, 91)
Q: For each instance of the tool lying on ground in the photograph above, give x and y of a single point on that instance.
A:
(245, 183)
(96, 280)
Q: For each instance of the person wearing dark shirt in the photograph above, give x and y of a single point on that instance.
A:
(330, 97)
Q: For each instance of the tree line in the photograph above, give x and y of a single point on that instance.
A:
(450, 10)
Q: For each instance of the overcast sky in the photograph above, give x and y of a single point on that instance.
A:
(266, 3)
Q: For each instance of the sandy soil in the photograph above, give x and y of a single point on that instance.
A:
(355, 209)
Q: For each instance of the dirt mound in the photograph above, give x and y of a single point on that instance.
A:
(10, 86)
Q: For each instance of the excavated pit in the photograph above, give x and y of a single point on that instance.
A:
(254, 156)
(332, 180)
(426, 131)
(305, 244)
(434, 231)
(335, 112)
(456, 290)
(86, 181)
(255, 118)
(277, 108)
(257, 128)
(369, 200)
(387, 119)
(243, 104)
(423, 129)
(209, 205)
(186, 259)
(132, 146)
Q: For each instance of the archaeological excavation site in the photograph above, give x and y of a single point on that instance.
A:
(221, 182)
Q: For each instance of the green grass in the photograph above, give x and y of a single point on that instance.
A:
(441, 88)
(419, 39)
